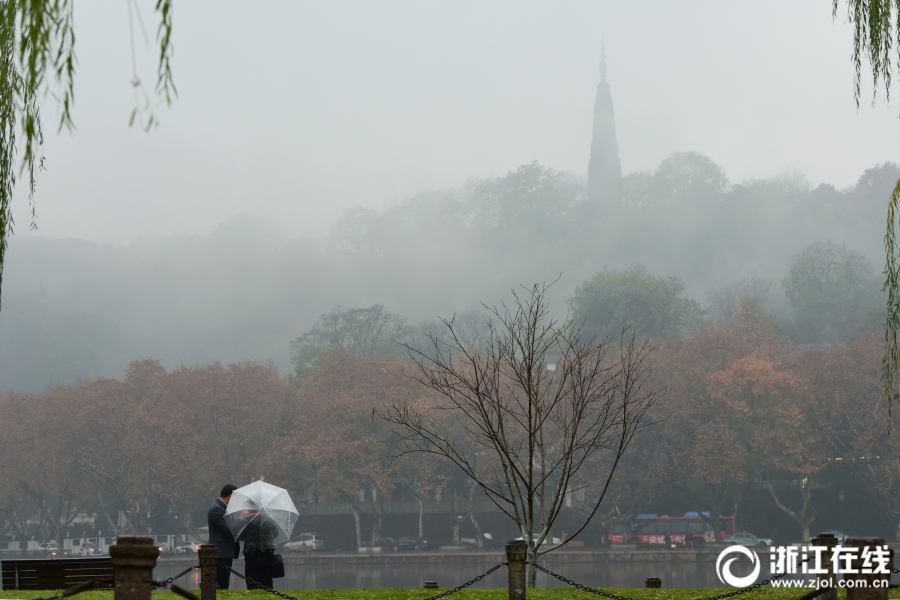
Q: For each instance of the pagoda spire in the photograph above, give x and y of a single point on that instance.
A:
(604, 168)
(602, 62)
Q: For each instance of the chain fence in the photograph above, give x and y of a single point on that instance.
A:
(468, 583)
(250, 581)
(284, 596)
(176, 589)
(105, 584)
(170, 585)
(750, 588)
(168, 582)
(80, 587)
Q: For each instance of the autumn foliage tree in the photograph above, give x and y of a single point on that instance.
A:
(151, 443)
(746, 410)
(345, 447)
(41, 469)
(746, 417)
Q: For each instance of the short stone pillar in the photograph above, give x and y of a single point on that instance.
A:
(133, 560)
(516, 554)
(867, 586)
(209, 559)
(828, 542)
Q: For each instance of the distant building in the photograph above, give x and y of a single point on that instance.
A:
(604, 168)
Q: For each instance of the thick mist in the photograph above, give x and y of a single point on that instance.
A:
(74, 309)
(431, 158)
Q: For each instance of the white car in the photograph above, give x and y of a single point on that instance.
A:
(185, 547)
(747, 539)
(548, 541)
(305, 542)
(48, 548)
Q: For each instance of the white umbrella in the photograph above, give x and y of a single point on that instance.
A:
(262, 514)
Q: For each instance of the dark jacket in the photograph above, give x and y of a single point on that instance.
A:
(219, 534)
(259, 535)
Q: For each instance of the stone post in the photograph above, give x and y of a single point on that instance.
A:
(828, 542)
(209, 559)
(867, 586)
(516, 553)
(133, 560)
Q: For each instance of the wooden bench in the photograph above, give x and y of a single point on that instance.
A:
(55, 574)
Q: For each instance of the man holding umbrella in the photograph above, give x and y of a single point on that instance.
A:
(220, 535)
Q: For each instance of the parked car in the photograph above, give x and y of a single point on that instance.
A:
(304, 541)
(747, 539)
(186, 547)
(837, 534)
(89, 551)
(387, 542)
(410, 542)
(48, 548)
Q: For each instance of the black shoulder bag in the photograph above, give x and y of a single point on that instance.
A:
(276, 566)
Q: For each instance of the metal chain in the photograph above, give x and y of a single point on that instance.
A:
(466, 584)
(763, 583)
(168, 582)
(579, 586)
(177, 589)
(257, 584)
(77, 589)
(275, 592)
(597, 592)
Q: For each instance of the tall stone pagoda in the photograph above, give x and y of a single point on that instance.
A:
(604, 168)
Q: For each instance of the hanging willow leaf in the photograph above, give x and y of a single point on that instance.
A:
(890, 364)
(37, 42)
(876, 31)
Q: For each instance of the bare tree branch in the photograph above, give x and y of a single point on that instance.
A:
(523, 416)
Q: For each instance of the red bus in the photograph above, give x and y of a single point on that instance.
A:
(651, 529)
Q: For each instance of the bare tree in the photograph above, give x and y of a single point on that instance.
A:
(525, 429)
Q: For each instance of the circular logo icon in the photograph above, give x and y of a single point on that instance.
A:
(723, 566)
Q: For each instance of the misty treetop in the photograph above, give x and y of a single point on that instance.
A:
(649, 305)
(830, 294)
(369, 331)
(686, 217)
(683, 177)
(834, 293)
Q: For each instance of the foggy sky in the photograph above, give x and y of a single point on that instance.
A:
(297, 111)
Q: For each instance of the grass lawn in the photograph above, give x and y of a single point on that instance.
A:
(494, 594)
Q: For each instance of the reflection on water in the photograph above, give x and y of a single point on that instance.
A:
(319, 577)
